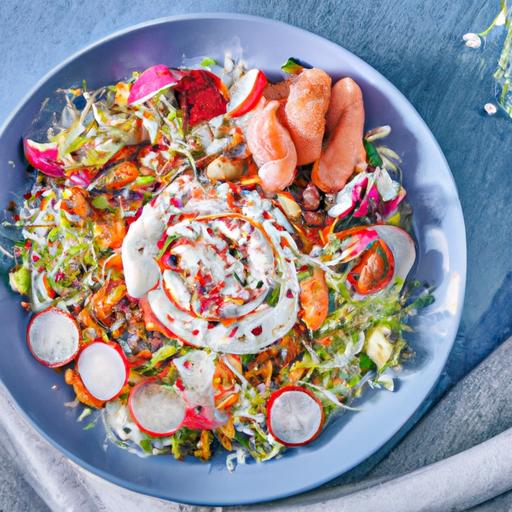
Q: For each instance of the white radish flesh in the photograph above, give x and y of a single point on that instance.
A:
(103, 370)
(246, 92)
(158, 410)
(53, 337)
(295, 416)
(402, 247)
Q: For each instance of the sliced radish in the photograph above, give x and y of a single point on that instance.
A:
(53, 337)
(151, 82)
(44, 157)
(103, 369)
(246, 92)
(402, 247)
(158, 410)
(294, 415)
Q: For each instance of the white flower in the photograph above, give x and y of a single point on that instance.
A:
(490, 108)
(472, 40)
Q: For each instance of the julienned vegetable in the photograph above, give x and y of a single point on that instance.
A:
(203, 291)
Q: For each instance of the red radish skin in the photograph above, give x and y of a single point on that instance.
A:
(402, 247)
(33, 351)
(150, 82)
(132, 405)
(254, 93)
(271, 404)
(83, 371)
(197, 418)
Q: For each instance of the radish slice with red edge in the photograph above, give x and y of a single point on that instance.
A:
(156, 409)
(402, 247)
(151, 82)
(295, 416)
(103, 369)
(44, 157)
(53, 337)
(246, 92)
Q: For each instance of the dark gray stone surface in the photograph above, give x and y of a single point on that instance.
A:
(417, 45)
(16, 495)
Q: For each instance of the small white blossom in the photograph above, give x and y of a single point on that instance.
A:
(472, 40)
(490, 108)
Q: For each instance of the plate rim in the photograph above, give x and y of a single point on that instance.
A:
(226, 15)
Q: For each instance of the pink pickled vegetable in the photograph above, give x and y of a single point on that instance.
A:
(151, 82)
(44, 157)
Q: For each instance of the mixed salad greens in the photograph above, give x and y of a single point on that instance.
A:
(216, 260)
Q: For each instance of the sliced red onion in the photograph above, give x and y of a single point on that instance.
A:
(348, 197)
(44, 157)
(390, 207)
(371, 197)
(151, 82)
(365, 190)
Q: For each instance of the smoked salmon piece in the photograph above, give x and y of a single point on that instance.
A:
(305, 111)
(272, 148)
(344, 128)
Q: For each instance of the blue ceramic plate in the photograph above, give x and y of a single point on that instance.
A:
(441, 261)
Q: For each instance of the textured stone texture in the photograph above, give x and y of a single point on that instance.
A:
(15, 493)
(417, 45)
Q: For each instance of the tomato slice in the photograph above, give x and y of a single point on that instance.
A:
(374, 270)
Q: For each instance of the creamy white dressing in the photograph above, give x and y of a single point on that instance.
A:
(243, 287)
(119, 424)
(196, 371)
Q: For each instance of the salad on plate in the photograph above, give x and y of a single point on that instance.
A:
(215, 260)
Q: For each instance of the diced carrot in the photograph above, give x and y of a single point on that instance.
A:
(73, 379)
(77, 203)
(324, 341)
(121, 175)
(114, 262)
(109, 232)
